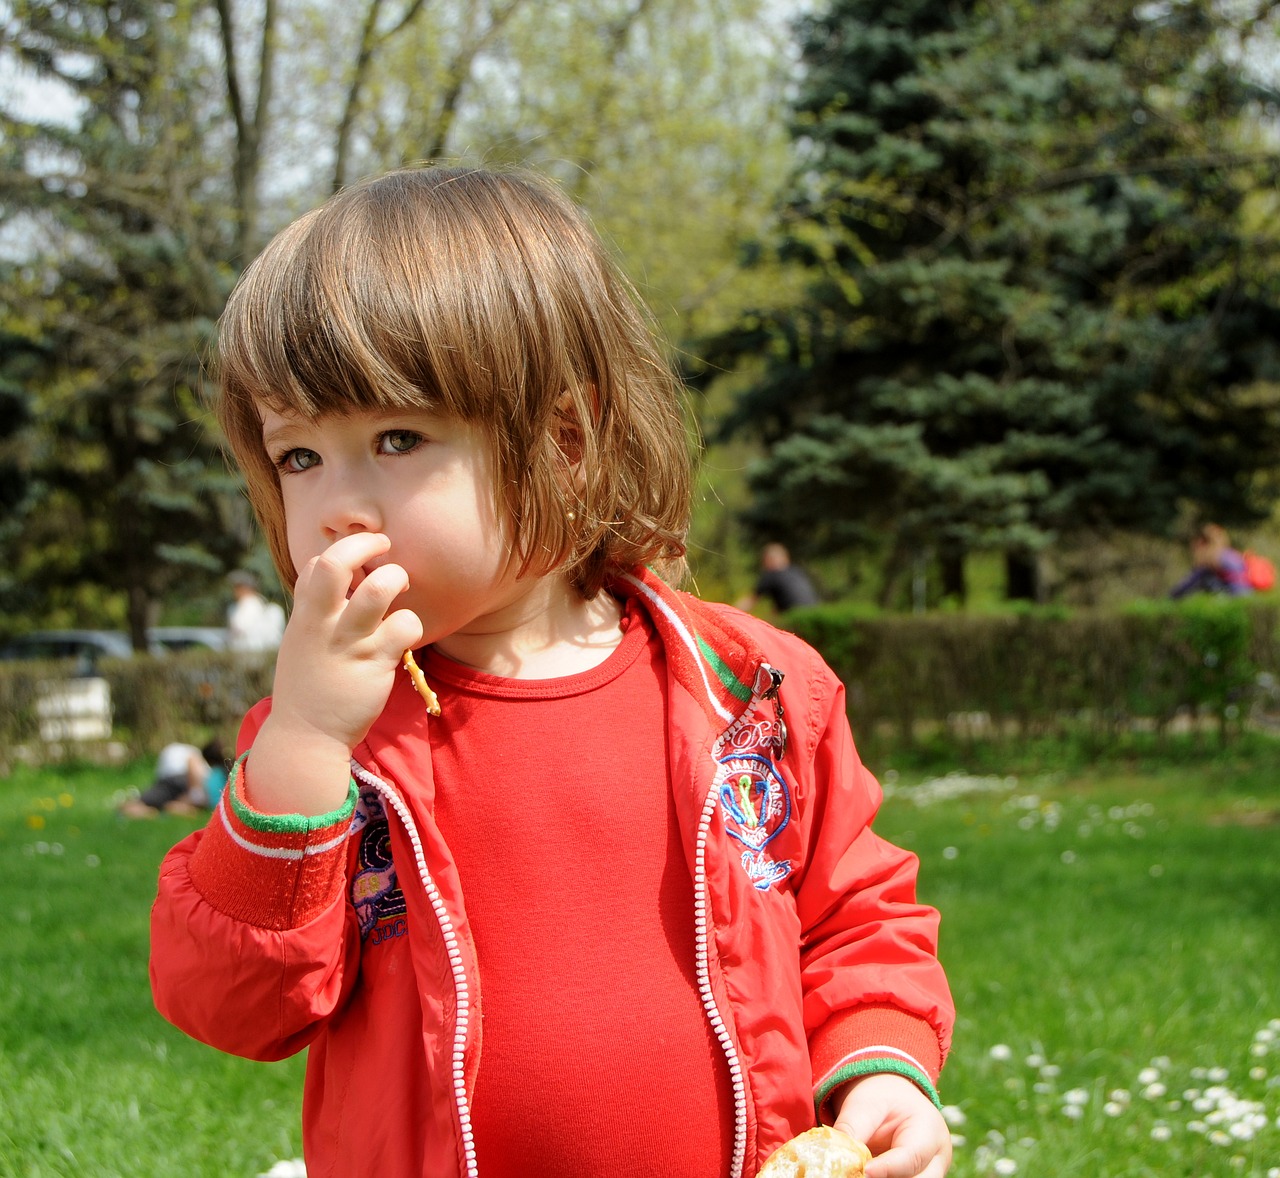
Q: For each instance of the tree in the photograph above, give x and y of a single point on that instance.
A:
(162, 148)
(1039, 299)
(111, 284)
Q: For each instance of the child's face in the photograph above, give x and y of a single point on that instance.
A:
(425, 482)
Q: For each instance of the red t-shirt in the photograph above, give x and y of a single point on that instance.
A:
(554, 797)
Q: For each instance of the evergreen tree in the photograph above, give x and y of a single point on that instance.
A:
(1037, 301)
(118, 233)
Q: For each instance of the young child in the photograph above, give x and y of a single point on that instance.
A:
(618, 909)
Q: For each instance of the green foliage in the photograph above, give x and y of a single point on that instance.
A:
(1038, 302)
(108, 308)
(1034, 671)
(167, 153)
(189, 696)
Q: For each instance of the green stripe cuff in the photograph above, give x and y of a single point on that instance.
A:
(287, 823)
(875, 1067)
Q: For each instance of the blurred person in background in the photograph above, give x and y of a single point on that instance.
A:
(785, 584)
(1216, 567)
(253, 622)
(187, 779)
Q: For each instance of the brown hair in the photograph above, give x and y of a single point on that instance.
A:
(485, 296)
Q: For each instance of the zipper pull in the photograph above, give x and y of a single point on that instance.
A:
(771, 693)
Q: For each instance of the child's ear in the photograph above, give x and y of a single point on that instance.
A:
(567, 427)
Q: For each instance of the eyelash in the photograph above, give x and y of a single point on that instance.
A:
(283, 461)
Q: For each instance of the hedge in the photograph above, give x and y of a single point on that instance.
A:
(1045, 669)
(1029, 672)
(190, 696)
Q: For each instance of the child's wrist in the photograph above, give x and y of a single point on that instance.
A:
(294, 768)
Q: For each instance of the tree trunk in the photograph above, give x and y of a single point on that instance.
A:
(1022, 576)
(954, 584)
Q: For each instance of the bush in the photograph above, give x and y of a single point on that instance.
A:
(192, 696)
(1041, 670)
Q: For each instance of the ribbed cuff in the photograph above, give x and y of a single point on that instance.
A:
(870, 1041)
(275, 871)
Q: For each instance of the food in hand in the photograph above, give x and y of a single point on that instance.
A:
(420, 682)
(820, 1153)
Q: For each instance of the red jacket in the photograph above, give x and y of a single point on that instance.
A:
(273, 933)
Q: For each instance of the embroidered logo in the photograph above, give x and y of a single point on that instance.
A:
(756, 806)
(375, 893)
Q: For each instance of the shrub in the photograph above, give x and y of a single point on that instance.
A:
(192, 696)
(1038, 670)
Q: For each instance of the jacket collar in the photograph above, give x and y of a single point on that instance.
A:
(710, 653)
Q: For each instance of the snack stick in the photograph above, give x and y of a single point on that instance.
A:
(421, 684)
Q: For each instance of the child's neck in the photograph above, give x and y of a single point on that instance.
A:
(549, 633)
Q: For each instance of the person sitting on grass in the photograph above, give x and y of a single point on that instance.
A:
(187, 780)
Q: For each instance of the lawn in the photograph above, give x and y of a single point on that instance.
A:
(1113, 939)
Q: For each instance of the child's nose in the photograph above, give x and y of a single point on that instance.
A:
(349, 510)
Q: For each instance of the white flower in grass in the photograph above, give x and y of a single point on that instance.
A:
(1217, 1075)
(1148, 1076)
(1035, 1061)
(1001, 1052)
(1154, 1091)
(1161, 1132)
(1005, 1166)
(293, 1168)
(1051, 1071)
(953, 1114)
(1113, 1108)
(1257, 1073)
(1218, 1137)
(1119, 1095)
(1258, 1050)
(1076, 1097)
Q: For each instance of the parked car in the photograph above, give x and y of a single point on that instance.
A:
(87, 646)
(188, 637)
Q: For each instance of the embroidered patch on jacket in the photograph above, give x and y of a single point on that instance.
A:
(375, 893)
(756, 806)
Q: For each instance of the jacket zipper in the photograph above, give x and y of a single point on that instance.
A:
(461, 987)
(702, 942)
(702, 918)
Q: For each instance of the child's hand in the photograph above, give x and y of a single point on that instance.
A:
(900, 1126)
(334, 671)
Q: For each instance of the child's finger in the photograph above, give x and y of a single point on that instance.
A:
(327, 579)
(914, 1155)
(371, 599)
(400, 632)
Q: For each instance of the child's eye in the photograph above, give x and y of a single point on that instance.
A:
(297, 460)
(399, 441)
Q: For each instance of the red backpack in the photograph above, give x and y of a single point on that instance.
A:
(1259, 572)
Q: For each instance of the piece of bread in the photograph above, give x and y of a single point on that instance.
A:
(820, 1153)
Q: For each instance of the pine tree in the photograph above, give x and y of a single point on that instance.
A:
(1037, 303)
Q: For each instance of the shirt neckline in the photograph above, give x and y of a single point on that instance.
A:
(637, 630)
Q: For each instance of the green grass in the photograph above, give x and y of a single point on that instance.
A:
(1099, 925)
(92, 1081)
(1105, 934)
